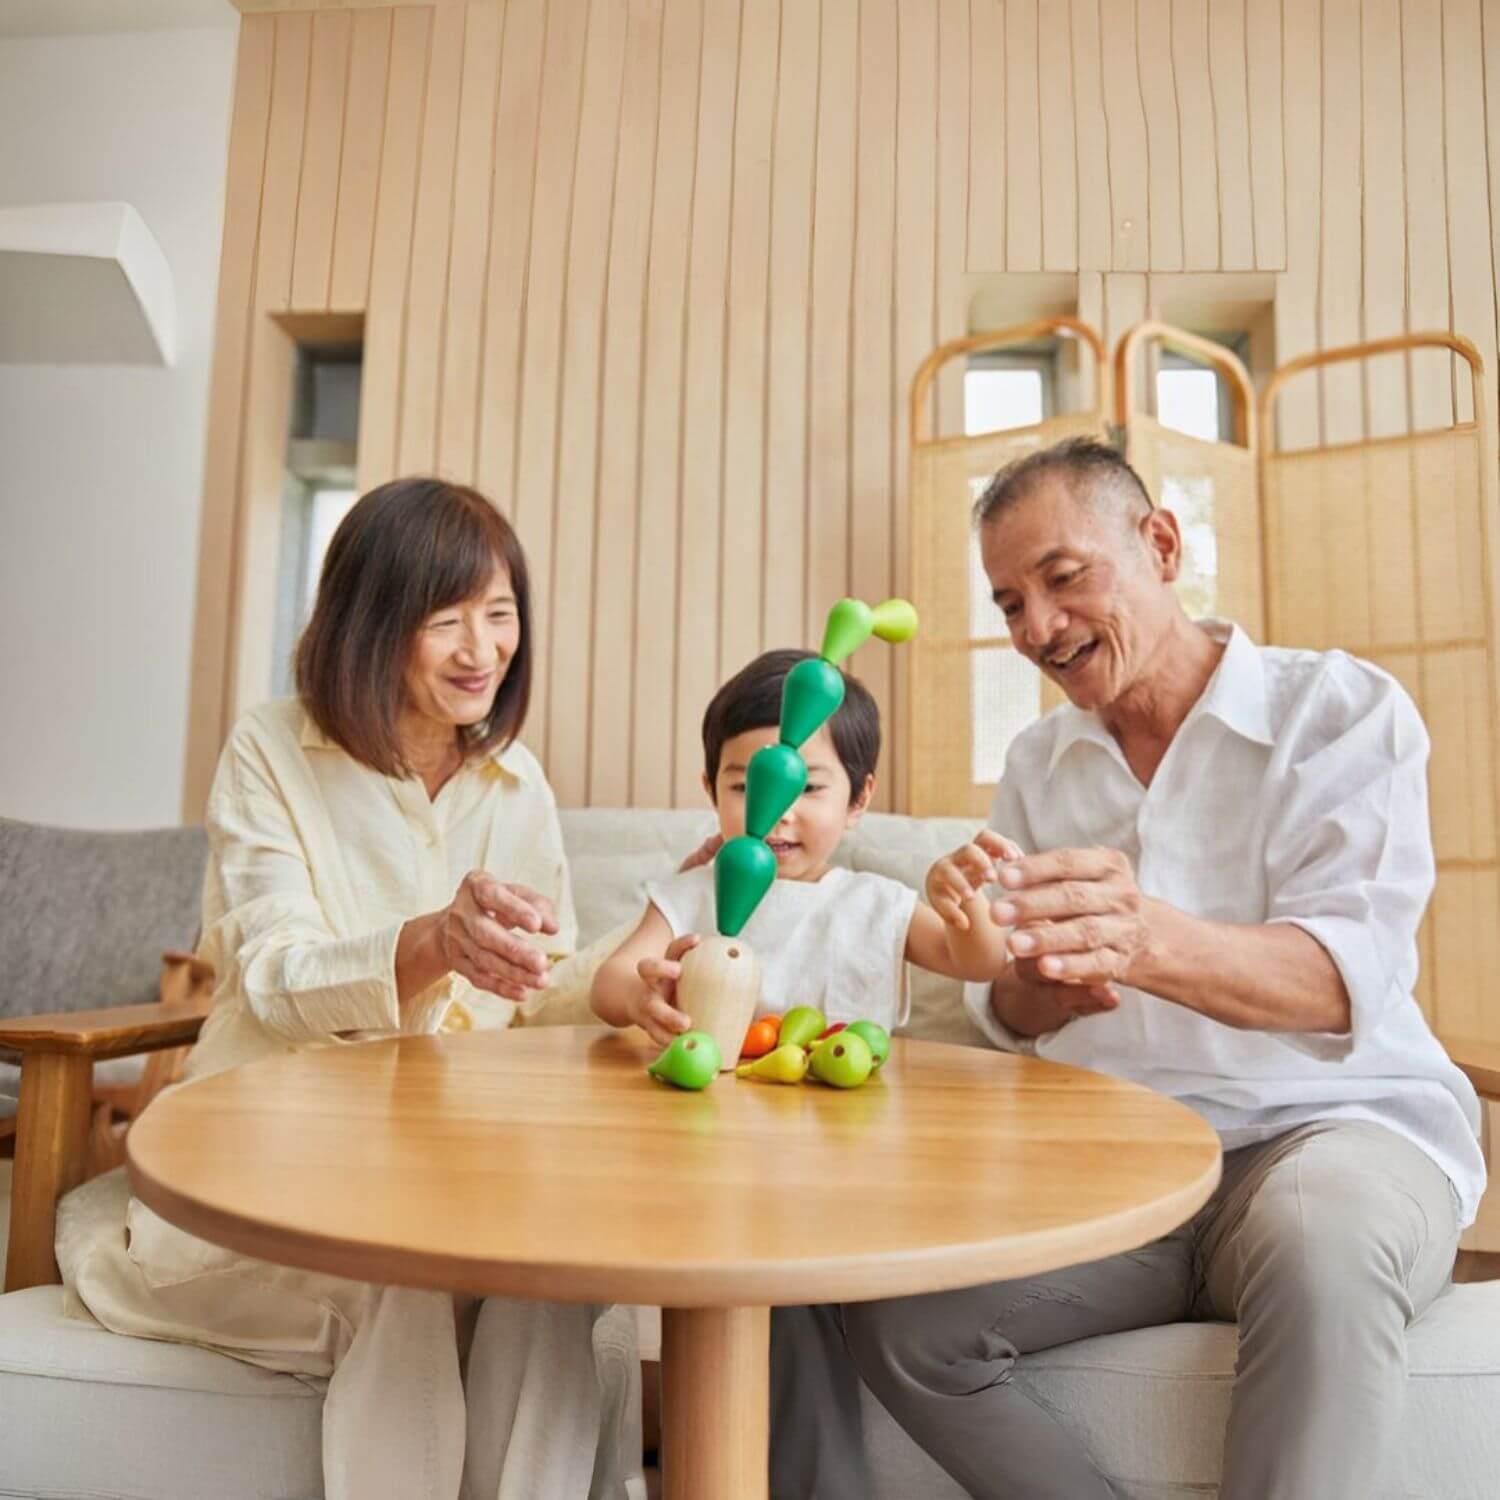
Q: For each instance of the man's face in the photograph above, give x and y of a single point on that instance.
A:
(1084, 588)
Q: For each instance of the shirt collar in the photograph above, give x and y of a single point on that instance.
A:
(507, 762)
(1235, 696)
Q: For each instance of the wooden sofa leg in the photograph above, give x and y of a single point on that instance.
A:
(51, 1153)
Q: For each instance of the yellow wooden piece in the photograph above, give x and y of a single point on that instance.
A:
(719, 990)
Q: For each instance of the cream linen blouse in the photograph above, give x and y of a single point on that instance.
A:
(316, 861)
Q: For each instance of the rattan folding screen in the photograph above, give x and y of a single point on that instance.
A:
(1387, 548)
(1209, 486)
(963, 668)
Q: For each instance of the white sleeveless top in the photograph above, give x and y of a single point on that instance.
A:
(838, 943)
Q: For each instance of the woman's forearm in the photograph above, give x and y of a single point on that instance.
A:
(1271, 977)
(420, 956)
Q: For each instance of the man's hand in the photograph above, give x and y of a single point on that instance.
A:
(654, 1008)
(961, 875)
(1031, 1005)
(1079, 914)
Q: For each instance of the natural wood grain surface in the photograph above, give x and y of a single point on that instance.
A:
(51, 1152)
(546, 1164)
(119, 1031)
(1480, 1060)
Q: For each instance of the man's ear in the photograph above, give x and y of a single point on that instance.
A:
(861, 803)
(1163, 538)
(708, 789)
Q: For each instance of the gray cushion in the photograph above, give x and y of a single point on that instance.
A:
(86, 915)
(87, 1413)
(1151, 1407)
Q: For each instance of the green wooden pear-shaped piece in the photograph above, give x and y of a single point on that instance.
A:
(810, 697)
(894, 621)
(776, 778)
(743, 871)
(849, 624)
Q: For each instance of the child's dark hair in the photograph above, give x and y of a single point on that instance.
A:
(751, 699)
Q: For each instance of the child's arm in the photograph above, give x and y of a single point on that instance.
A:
(956, 935)
(636, 985)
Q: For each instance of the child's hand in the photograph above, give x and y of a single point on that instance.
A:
(655, 1009)
(959, 876)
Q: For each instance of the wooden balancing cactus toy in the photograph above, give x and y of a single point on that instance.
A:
(719, 986)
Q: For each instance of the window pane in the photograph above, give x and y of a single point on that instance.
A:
(326, 508)
(997, 399)
(1188, 401)
(1005, 695)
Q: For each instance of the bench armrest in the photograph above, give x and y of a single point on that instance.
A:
(1479, 1061)
(58, 1053)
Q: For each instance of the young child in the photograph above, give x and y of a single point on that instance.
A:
(824, 936)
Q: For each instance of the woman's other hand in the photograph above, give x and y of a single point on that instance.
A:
(703, 853)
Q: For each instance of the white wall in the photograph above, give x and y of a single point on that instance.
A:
(101, 467)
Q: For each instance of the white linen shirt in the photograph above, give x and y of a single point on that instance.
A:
(1294, 791)
(315, 863)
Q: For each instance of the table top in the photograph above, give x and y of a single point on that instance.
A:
(545, 1163)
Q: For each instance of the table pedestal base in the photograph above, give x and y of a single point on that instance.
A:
(715, 1403)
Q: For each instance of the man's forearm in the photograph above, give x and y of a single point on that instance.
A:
(1273, 977)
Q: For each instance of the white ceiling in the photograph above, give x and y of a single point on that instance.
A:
(57, 17)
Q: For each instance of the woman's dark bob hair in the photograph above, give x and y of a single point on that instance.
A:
(406, 550)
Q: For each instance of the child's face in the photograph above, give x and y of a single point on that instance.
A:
(808, 833)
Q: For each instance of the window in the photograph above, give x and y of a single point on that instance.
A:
(1008, 388)
(1193, 399)
(319, 488)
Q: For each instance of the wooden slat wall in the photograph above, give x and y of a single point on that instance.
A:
(655, 274)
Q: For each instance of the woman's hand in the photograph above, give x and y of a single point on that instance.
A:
(476, 933)
(703, 853)
(654, 1006)
(958, 877)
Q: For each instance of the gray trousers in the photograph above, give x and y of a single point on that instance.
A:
(1323, 1245)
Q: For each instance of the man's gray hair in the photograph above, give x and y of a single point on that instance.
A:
(1091, 470)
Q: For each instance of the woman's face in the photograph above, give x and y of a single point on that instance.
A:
(461, 655)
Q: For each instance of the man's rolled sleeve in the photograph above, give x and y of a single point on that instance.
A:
(1349, 856)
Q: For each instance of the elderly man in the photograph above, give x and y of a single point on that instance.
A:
(1229, 858)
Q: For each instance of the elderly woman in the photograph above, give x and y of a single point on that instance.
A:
(385, 858)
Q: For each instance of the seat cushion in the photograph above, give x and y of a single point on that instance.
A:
(1151, 1407)
(88, 1413)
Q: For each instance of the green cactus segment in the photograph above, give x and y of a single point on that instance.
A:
(776, 778)
(849, 624)
(810, 697)
(743, 871)
(894, 621)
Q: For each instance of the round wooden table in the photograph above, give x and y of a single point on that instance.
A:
(545, 1163)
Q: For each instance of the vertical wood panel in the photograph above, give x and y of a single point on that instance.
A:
(916, 318)
(1340, 289)
(322, 152)
(385, 324)
(832, 316)
(1267, 146)
(1125, 124)
(1426, 207)
(1095, 236)
(1159, 93)
(783, 580)
(697, 623)
(661, 495)
(427, 280)
(1025, 191)
(517, 122)
(541, 367)
(613, 592)
(464, 309)
(953, 207)
(1383, 216)
(1058, 142)
(1201, 201)
(359, 163)
(575, 502)
(987, 168)
(870, 387)
(742, 553)
(208, 712)
(283, 179)
(1226, 57)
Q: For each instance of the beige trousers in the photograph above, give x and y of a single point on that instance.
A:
(1323, 1245)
